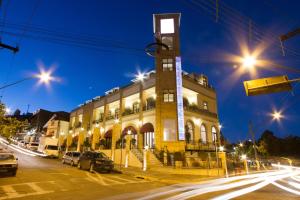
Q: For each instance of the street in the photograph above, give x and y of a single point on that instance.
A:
(43, 178)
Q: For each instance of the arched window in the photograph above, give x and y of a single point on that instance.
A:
(203, 133)
(189, 131)
(214, 133)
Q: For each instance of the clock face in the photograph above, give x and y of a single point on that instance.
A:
(167, 26)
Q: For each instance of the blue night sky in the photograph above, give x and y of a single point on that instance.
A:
(85, 72)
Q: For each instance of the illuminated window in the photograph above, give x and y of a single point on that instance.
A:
(203, 134)
(80, 118)
(167, 64)
(169, 130)
(205, 105)
(166, 26)
(169, 96)
(167, 40)
(214, 133)
(117, 112)
(135, 107)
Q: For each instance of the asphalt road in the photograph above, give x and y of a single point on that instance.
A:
(47, 179)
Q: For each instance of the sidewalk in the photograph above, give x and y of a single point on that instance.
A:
(165, 175)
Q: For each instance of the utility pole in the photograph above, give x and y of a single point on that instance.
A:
(28, 105)
(13, 49)
(254, 144)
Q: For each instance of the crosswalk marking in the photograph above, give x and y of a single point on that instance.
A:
(111, 180)
(10, 192)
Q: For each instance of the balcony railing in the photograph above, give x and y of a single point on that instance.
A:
(196, 109)
(128, 111)
(98, 121)
(198, 146)
(149, 107)
(110, 117)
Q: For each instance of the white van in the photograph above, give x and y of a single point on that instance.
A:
(48, 146)
(51, 150)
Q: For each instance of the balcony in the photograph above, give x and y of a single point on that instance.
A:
(199, 146)
(196, 109)
(78, 125)
(150, 105)
(129, 111)
(97, 121)
(109, 117)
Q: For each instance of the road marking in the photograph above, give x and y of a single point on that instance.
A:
(110, 180)
(10, 192)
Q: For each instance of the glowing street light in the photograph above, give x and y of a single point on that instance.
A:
(244, 157)
(7, 111)
(220, 126)
(44, 77)
(249, 62)
(221, 148)
(140, 76)
(277, 115)
(241, 144)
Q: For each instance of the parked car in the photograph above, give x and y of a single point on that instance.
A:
(91, 161)
(21, 143)
(33, 146)
(71, 157)
(8, 163)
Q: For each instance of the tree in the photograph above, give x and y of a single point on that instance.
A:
(17, 112)
(10, 126)
(262, 148)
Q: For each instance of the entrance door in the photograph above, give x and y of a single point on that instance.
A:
(149, 139)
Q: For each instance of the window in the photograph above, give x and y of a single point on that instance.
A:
(168, 96)
(117, 112)
(80, 118)
(166, 26)
(205, 105)
(167, 64)
(135, 107)
(189, 131)
(169, 130)
(203, 134)
(167, 40)
(214, 133)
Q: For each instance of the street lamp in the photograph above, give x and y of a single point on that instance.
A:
(221, 148)
(244, 157)
(277, 115)
(140, 76)
(44, 77)
(249, 61)
(7, 111)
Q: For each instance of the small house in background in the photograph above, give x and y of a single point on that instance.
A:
(57, 125)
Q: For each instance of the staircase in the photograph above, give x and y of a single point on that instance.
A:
(139, 154)
(153, 160)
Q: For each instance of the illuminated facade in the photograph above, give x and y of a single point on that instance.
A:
(166, 109)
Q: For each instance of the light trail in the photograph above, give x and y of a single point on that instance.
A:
(286, 188)
(206, 184)
(19, 149)
(201, 191)
(294, 184)
(254, 187)
(295, 178)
